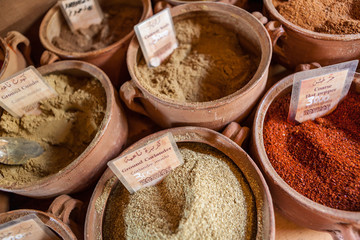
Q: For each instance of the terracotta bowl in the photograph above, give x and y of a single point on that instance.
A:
(13, 58)
(107, 143)
(294, 45)
(265, 214)
(292, 204)
(111, 59)
(213, 114)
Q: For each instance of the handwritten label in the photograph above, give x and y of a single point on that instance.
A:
(317, 92)
(20, 93)
(81, 13)
(146, 166)
(29, 227)
(157, 37)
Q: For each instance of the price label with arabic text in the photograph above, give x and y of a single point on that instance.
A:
(147, 165)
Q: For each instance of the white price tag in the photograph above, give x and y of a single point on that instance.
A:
(147, 165)
(317, 92)
(81, 13)
(20, 93)
(157, 37)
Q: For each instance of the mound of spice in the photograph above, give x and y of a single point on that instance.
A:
(324, 16)
(66, 126)
(319, 159)
(119, 20)
(205, 198)
(208, 64)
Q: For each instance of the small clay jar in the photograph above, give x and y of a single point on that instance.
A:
(111, 59)
(294, 45)
(57, 218)
(212, 114)
(296, 207)
(107, 143)
(265, 228)
(13, 58)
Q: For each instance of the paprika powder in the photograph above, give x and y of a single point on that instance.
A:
(320, 159)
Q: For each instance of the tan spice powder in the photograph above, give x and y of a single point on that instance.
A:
(324, 16)
(208, 64)
(66, 126)
(205, 198)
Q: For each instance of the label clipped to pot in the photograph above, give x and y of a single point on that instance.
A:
(146, 166)
(20, 93)
(81, 13)
(157, 37)
(317, 92)
(29, 227)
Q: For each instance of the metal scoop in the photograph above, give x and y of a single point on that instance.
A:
(17, 151)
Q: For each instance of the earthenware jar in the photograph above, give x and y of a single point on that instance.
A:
(212, 114)
(111, 59)
(290, 203)
(294, 45)
(265, 214)
(107, 143)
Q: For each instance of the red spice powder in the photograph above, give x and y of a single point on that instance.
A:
(320, 159)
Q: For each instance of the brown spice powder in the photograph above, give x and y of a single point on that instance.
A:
(208, 64)
(324, 16)
(205, 198)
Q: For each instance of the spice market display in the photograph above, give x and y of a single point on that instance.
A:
(94, 159)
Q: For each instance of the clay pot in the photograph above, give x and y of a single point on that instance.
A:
(215, 114)
(57, 218)
(107, 143)
(14, 60)
(265, 214)
(290, 203)
(294, 45)
(111, 59)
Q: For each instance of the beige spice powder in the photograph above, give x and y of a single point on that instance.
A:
(206, 198)
(208, 64)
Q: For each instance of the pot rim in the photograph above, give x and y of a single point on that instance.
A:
(312, 34)
(280, 87)
(197, 135)
(226, 9)
(83, 55)
(97, 73)
(4, 47)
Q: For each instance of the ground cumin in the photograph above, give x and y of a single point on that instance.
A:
(119, 20)
(208, 64)
(324, 16)
(64, 129)
(319, 159)
(206, 198)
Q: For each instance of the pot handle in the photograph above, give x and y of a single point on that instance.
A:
(236, 133)
(13, 39)
(307, 66)
(48, 57)
(347, 231)
(131, 95)
(161, 5)
(260, 17)
(275, 30)
(62, 207)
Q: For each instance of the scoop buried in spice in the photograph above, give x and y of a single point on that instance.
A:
(17, 151)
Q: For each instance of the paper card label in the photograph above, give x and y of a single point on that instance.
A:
(81, 13)
(317, 92)
(29, 227)
(147, 165)
(20, 93)
(157, 37)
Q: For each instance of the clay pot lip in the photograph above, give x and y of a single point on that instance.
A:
(196, 135)
(178, 2)
(97, 73)
(83, 55)
(280, 87)
(4, 47)
(55, 222)
(323, 36)
(262, 69)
